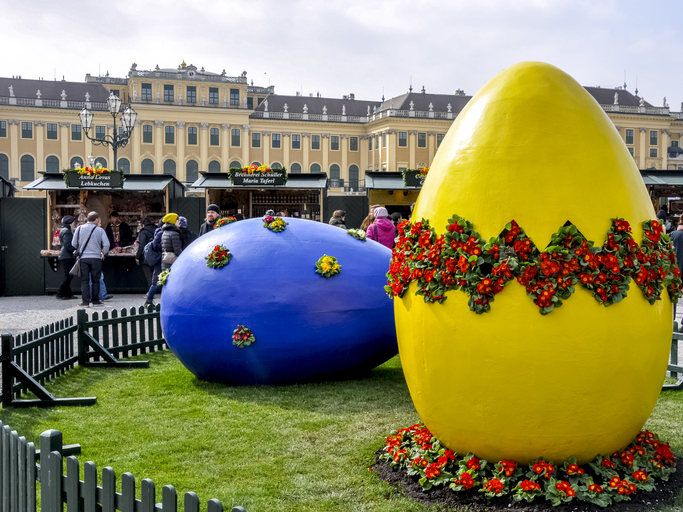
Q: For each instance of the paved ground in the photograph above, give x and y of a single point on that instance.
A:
(21, 314)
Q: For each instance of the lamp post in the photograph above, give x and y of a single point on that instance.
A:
(116, 141)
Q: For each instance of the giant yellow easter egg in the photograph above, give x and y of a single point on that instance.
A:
(534, 147)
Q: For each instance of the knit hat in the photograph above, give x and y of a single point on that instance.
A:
(380, 212)
(68, 219)
(170, 218)
(183, 222)
(213, 208)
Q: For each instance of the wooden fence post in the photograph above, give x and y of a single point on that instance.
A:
(6, 359)
(81, 319)
(50, 441)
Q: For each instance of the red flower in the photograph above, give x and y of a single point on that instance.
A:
(528, 486)
(565, 488)
(596, 488)
(494, 485)
(466, 481)
(508, 467)
(607, 463)
(474, 463)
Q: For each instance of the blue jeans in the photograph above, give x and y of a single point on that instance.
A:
(103, 289)
(155, 286)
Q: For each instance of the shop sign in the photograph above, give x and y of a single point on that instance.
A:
(106, 180)
(277, 177)
(412, 179)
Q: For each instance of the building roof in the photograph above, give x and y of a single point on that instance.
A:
(315, 105)
(421, 102)
(52, 90)
(605, 96)
(138, 182)
(294, 180)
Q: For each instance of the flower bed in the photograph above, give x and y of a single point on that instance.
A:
(461, 259)
(219, 257)
(417, 457)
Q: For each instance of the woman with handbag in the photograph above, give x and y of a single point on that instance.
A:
(67, 257)
(171, 240)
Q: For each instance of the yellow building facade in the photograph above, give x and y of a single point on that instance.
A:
(191, 121)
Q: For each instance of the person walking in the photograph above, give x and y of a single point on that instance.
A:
(382, 230)
(66, 256)
(213, 213)
(338, 219)
(186, 236)
(92, 245)
(171, 241)
(156, 270)
(145, 236)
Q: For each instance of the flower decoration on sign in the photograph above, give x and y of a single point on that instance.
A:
(327, 266)
(274, 223)
(414, 177)
(422, 173)
(219, 257)
(415, 451)
(163, 277)
(258, 169)
(242, 336)
(358, 234)
(224, 221)
(461, 259)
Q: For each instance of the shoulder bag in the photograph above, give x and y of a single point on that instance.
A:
(76, 269)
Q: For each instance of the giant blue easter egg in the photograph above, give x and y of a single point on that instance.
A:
(306, 327)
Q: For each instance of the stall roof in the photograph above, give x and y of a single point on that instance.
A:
(294, 180)
(133, 182)
(6, 188)
(389, 180)
(667, 178)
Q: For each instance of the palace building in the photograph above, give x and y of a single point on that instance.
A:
(191, 121)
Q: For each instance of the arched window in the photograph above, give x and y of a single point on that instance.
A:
(276, 165)
(315, 167)
(124, 165)
(235, 165)
(76, 163)
(147, 166)
(191, 171)
(214, 166)
(295, 168)
(52, 164)
(257, 164)
(4, 166)
(334, 172)
(353, 177)
(169, 167)
(27, 168)
(100, 162)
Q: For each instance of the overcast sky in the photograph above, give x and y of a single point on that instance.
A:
(365, 47)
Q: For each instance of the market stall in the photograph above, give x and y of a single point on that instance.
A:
(298, 195)
(396, 191)
(665, 187)
(138, 197)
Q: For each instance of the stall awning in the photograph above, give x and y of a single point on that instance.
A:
(294, 180)
(665, 178)
(386, 181)
(133, 182)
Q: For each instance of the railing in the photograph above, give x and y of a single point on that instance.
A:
(20, 470)
(46, 103)
(630, 109)
(31, 359)
(335, 183)
(355, 186)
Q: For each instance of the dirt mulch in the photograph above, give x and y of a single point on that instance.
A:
(474, 501)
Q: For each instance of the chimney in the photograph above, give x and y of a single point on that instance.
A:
(352, 96)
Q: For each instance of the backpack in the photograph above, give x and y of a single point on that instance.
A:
(152, 257)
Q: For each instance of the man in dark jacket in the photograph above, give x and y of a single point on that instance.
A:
(67, 257)
(213, 213)
(145, 236)
(118, 233)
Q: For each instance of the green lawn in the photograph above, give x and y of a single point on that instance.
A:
(304, 447)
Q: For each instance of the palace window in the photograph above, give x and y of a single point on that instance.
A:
(353, 143)
(27, 131)
(295, 168)
(51, 131)
(315, 142)
(402, 139)
(27, 168)
(235, 142)
(421, 140)
(653, 137)
(146, 92)
(653, 152)
(255, 140)
(439, 138)
(75, 132)
(192, 135)
(629, 136)
(213, 136)
(275, 140)
(334, 143)
(296, 141)
(3, 128)
(100, 132)
(170, 135)
(191, 94)
(234, 97)
(168, 92)
(630, 150)
(147, 166)
(147, 133)
(169, 167)
(213, 95)
(4, 166)
(52, 164)
(250, 103)
(384, 140)
(369, 143)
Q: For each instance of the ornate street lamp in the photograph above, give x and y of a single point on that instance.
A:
(116, 141)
